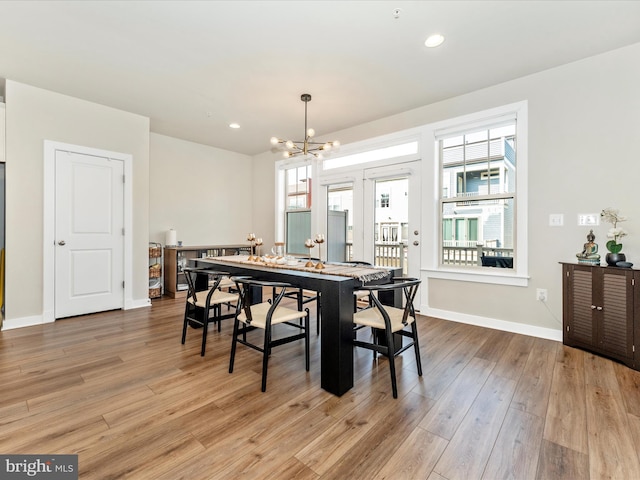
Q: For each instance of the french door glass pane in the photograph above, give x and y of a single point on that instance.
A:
(340, 199)
(390, 224)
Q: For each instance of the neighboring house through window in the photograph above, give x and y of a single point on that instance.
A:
(478, 169)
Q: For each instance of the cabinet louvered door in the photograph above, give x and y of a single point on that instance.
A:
(615, 320)
(599, 310)
(581, 323)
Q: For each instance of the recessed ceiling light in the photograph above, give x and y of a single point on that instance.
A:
(434, 40)
(234, 125)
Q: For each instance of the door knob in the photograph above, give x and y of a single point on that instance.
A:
(415, 242)
(62, 242)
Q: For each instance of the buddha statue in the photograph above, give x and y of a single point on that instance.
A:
(589, 252)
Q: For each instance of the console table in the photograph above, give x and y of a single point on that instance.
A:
(176, 258)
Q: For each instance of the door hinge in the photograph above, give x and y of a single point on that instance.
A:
(633, 348)
(567, 328)
(123, 231)
(633, 282)
(123, 178)
(123, 284)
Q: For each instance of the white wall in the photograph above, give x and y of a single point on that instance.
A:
(584, 155)
(204, 193)
(34, 115)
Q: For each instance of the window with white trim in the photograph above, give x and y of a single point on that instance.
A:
(294, 186)
(298, 187)
(478, 197)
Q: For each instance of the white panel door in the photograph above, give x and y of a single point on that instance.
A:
(89, 234)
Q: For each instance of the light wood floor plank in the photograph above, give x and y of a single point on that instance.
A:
(346, 432)
(468, 451)
(534, 386)
(437, 379)
(629, 382)
(415, 458)
(611, 450)
(634, 429)
(368, 457)
(514, 357)
(515, 453)
(447, 413)
(268, 458)
(566, 419)
(560, 463)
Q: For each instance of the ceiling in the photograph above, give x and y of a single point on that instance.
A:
(194, 67)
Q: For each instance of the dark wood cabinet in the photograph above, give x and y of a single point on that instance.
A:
(600, 310)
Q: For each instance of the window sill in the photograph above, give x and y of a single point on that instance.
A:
(496, 276)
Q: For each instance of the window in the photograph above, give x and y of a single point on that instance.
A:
(478, 194)
(384, 200)
(384, 153)
(298, 187)
(293, 203)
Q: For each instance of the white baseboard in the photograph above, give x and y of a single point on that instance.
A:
(47, 317)
(513, 327)
(139, 303)
(10, 324)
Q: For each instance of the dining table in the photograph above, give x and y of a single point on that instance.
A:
(336, 284)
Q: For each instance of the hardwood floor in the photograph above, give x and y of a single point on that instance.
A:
(119, 390)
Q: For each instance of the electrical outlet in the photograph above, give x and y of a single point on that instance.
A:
(541, 294)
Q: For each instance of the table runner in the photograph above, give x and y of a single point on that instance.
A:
(362, 273)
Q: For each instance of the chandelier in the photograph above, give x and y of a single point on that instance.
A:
(291, 148)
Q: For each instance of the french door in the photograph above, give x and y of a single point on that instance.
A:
(383, 215)
(391, 216)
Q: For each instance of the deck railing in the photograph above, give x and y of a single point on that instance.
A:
(471, 255)
(389, 254)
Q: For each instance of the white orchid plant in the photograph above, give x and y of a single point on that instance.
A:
(613, 217)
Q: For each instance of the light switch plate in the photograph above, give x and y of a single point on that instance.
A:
(556, 220)
(588, 219)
